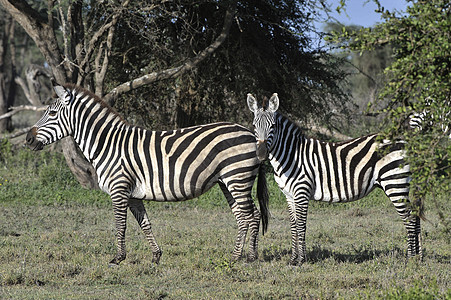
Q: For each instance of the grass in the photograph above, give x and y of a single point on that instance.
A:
(56, 239)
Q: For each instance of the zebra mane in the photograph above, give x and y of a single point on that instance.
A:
(80, 90)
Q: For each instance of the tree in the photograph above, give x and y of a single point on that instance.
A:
(86, 34)
(267, 50)
(418, 80)
(365, 70)
(178, 63)
(7, 68)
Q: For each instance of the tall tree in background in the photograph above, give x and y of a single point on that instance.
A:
(210, 53)
(21, 72)
(418, 80)
(7, 68)
(267, 50)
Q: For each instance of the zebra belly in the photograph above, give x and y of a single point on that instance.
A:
(156, 193)
(335, 189)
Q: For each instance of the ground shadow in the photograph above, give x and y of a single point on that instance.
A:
(275, 254)
(359, 255)
(319, 253)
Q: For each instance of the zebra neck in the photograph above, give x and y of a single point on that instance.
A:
(96, 126)
(285, 136)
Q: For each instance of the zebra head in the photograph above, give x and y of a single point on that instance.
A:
(264, 122)
(53, 125)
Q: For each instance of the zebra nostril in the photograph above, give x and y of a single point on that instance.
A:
(30, 139)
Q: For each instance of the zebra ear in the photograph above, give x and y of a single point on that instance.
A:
(273, 103)
(252, 103)
(63, 94)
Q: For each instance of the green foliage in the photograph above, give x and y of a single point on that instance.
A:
(41, 177)
(418, 80)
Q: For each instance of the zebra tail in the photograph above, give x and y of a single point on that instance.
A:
(419, 207)
(263, 197)
(417, 198)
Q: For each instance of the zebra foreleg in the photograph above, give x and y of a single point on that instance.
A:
(120, 216)
(139, 212)
(301, 216)
(294, 231)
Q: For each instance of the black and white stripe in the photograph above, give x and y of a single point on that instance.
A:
(306, 168)
(425, 120)
(134, 164)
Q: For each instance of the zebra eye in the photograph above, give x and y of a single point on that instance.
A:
(52, 113)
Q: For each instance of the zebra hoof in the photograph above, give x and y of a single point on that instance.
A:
(296, 262)
(252, 258)
(293, 263)
(116, 261)
(156, 257)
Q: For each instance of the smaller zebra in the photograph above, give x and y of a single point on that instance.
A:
(423, 120)
(306, 168)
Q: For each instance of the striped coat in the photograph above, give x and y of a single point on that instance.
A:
(135, 164)
(306, 168)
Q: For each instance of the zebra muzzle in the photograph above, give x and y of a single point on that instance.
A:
(262, 151)
(32, 141)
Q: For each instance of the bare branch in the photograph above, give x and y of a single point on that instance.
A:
(65, 34)
(24, 87)
(32, 88)
(100, 71)
(99, 33)
(40, 30)
(17, 133)
(16, 109)
(177, 71)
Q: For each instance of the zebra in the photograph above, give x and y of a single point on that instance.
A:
(423, 120)
(134, 164)
(306, 168)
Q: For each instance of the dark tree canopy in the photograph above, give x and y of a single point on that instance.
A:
(267, 51)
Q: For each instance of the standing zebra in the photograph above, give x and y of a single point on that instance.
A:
(306, 168)
(133, 164)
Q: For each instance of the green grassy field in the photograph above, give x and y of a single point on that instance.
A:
(56, 240)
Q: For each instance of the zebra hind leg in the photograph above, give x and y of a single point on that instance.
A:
(139, 212)
(412, 224)
(242, 223)
(414, 237)
(294, 236)
(254, 225)
(301, 216)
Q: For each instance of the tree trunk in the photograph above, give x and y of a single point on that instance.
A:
(7, 71)
(80, 167)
